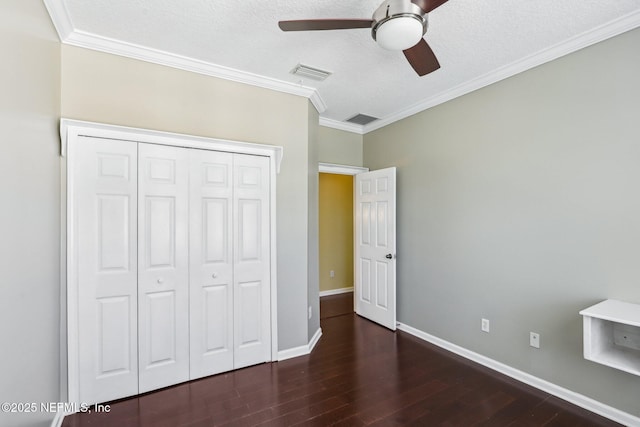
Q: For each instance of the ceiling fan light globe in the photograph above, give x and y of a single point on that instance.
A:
(399, 33)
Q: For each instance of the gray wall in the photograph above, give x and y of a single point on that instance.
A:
(339, 147)
(313, 282)
(520, 203)
(30, 213)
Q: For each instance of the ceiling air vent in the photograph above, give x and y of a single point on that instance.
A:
(310, 72)
(361, 119)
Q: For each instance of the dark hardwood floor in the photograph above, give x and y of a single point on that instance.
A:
(359, 374)
(336, 305)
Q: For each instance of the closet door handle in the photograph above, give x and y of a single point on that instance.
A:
(388, 256)
(160, 280)
(214, 275)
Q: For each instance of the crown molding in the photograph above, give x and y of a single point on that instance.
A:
(598, 34)
(70, 36)
(130, 50)
(317, 101)
(348, 127)
(60, 17)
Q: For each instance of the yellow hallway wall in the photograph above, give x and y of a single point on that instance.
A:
(336, 231)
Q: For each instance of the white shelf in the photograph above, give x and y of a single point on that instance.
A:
(612, 335)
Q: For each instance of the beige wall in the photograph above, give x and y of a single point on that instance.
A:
(111, 89)
(336, 231)
(520, 203)
(339, 147)
(30, 213)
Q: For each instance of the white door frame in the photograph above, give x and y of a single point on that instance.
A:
(345, 170)
(70, 132)
(340, 169)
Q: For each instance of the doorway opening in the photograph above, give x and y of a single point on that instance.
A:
(336, 244)
(336, 234)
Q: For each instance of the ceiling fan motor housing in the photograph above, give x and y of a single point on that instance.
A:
(392, 10)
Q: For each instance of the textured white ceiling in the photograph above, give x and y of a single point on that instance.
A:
(471, 38)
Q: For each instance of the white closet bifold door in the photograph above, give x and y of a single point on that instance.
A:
(163, 270)
(103, 184)
(169, 258)
(251, 281)
(211, 262)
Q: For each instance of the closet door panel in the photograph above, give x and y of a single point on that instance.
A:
(249, 319)
(249, 238)
(104, 184)
(252, 332)
(161, 232)
(163, 270)
(211, 262)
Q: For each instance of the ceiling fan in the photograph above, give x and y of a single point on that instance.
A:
(395, 25)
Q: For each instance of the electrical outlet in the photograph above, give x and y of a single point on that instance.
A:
(310, 312)
(534, 339)
(332, 274)
(486, 325)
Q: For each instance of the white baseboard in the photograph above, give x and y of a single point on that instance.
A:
(336, 291)
(303, 350)
(58, 419)
(290, 353)
(546, 386)
(314, 339)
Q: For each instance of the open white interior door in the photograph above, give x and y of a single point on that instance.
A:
(375, 246)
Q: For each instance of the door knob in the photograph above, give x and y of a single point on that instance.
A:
(389, 256)
(160, 280)
(214, 275)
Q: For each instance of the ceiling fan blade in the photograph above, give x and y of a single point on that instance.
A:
(428, 5)
(422, 58)
(324, 24)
